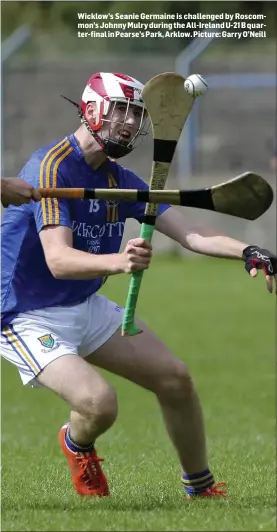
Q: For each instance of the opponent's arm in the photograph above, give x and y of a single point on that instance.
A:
(65, 262)
(16, 191)
(207, 241)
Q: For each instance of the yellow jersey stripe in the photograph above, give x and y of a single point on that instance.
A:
(112, 210)
(18, 345)
(108, 217)
(54, 202)
(115, 213)
(50, 181)
(112, 181)
(41, 180)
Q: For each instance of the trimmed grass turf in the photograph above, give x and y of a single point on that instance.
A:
(221, 322)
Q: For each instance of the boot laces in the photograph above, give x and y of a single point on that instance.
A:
(216, 490)
(91, 470)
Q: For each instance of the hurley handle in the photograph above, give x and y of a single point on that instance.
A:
(129, 327)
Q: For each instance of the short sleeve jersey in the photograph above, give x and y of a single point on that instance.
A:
(97, 226)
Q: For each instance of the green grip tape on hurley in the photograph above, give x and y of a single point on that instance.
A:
(129, 327)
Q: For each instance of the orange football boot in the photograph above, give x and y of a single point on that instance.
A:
(87, 475)
(213, 491)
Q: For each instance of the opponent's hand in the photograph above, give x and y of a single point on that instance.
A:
(137, 255)
(16, 191)
(261, 259)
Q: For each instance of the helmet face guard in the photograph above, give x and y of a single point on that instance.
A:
(119, 147)
(109, 92)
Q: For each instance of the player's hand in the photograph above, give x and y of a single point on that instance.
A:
(261, 259)
(16, 191)
(137, 255)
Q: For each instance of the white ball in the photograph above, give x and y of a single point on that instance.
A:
(195, 85)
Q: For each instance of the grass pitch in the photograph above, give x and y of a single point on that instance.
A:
(221, 322)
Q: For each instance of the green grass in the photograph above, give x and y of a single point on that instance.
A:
(221, 322)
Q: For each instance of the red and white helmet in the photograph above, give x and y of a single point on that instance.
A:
(106, 90)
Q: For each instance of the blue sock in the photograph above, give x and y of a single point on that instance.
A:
(198, 482)
(75, 447)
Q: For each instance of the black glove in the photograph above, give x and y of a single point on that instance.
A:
(261, 259)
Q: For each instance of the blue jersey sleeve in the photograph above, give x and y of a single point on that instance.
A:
(45, 172)
(136, 209)
(53, 211)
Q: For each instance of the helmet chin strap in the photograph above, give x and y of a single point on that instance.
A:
(110, 147)
(115, 149)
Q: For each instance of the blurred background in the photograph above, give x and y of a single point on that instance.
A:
(232, 129)
(209, 312)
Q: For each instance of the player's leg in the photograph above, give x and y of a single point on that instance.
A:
(145, 360)
(42, 344)
(93, 406)
(92, 401)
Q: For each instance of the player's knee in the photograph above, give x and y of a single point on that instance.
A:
(99, 405)
(176, 383)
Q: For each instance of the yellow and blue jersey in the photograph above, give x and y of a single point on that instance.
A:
(97, 226)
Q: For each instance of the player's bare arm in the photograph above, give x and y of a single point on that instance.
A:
(207, 241)
(199, 239)
(16, 191)
(65, 262)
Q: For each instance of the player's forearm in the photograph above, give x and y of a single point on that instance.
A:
(200, 239)
(215, 246)
(4, 191)
(75, 264)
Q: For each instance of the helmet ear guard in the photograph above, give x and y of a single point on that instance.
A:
(99, 124)
(88, 125)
